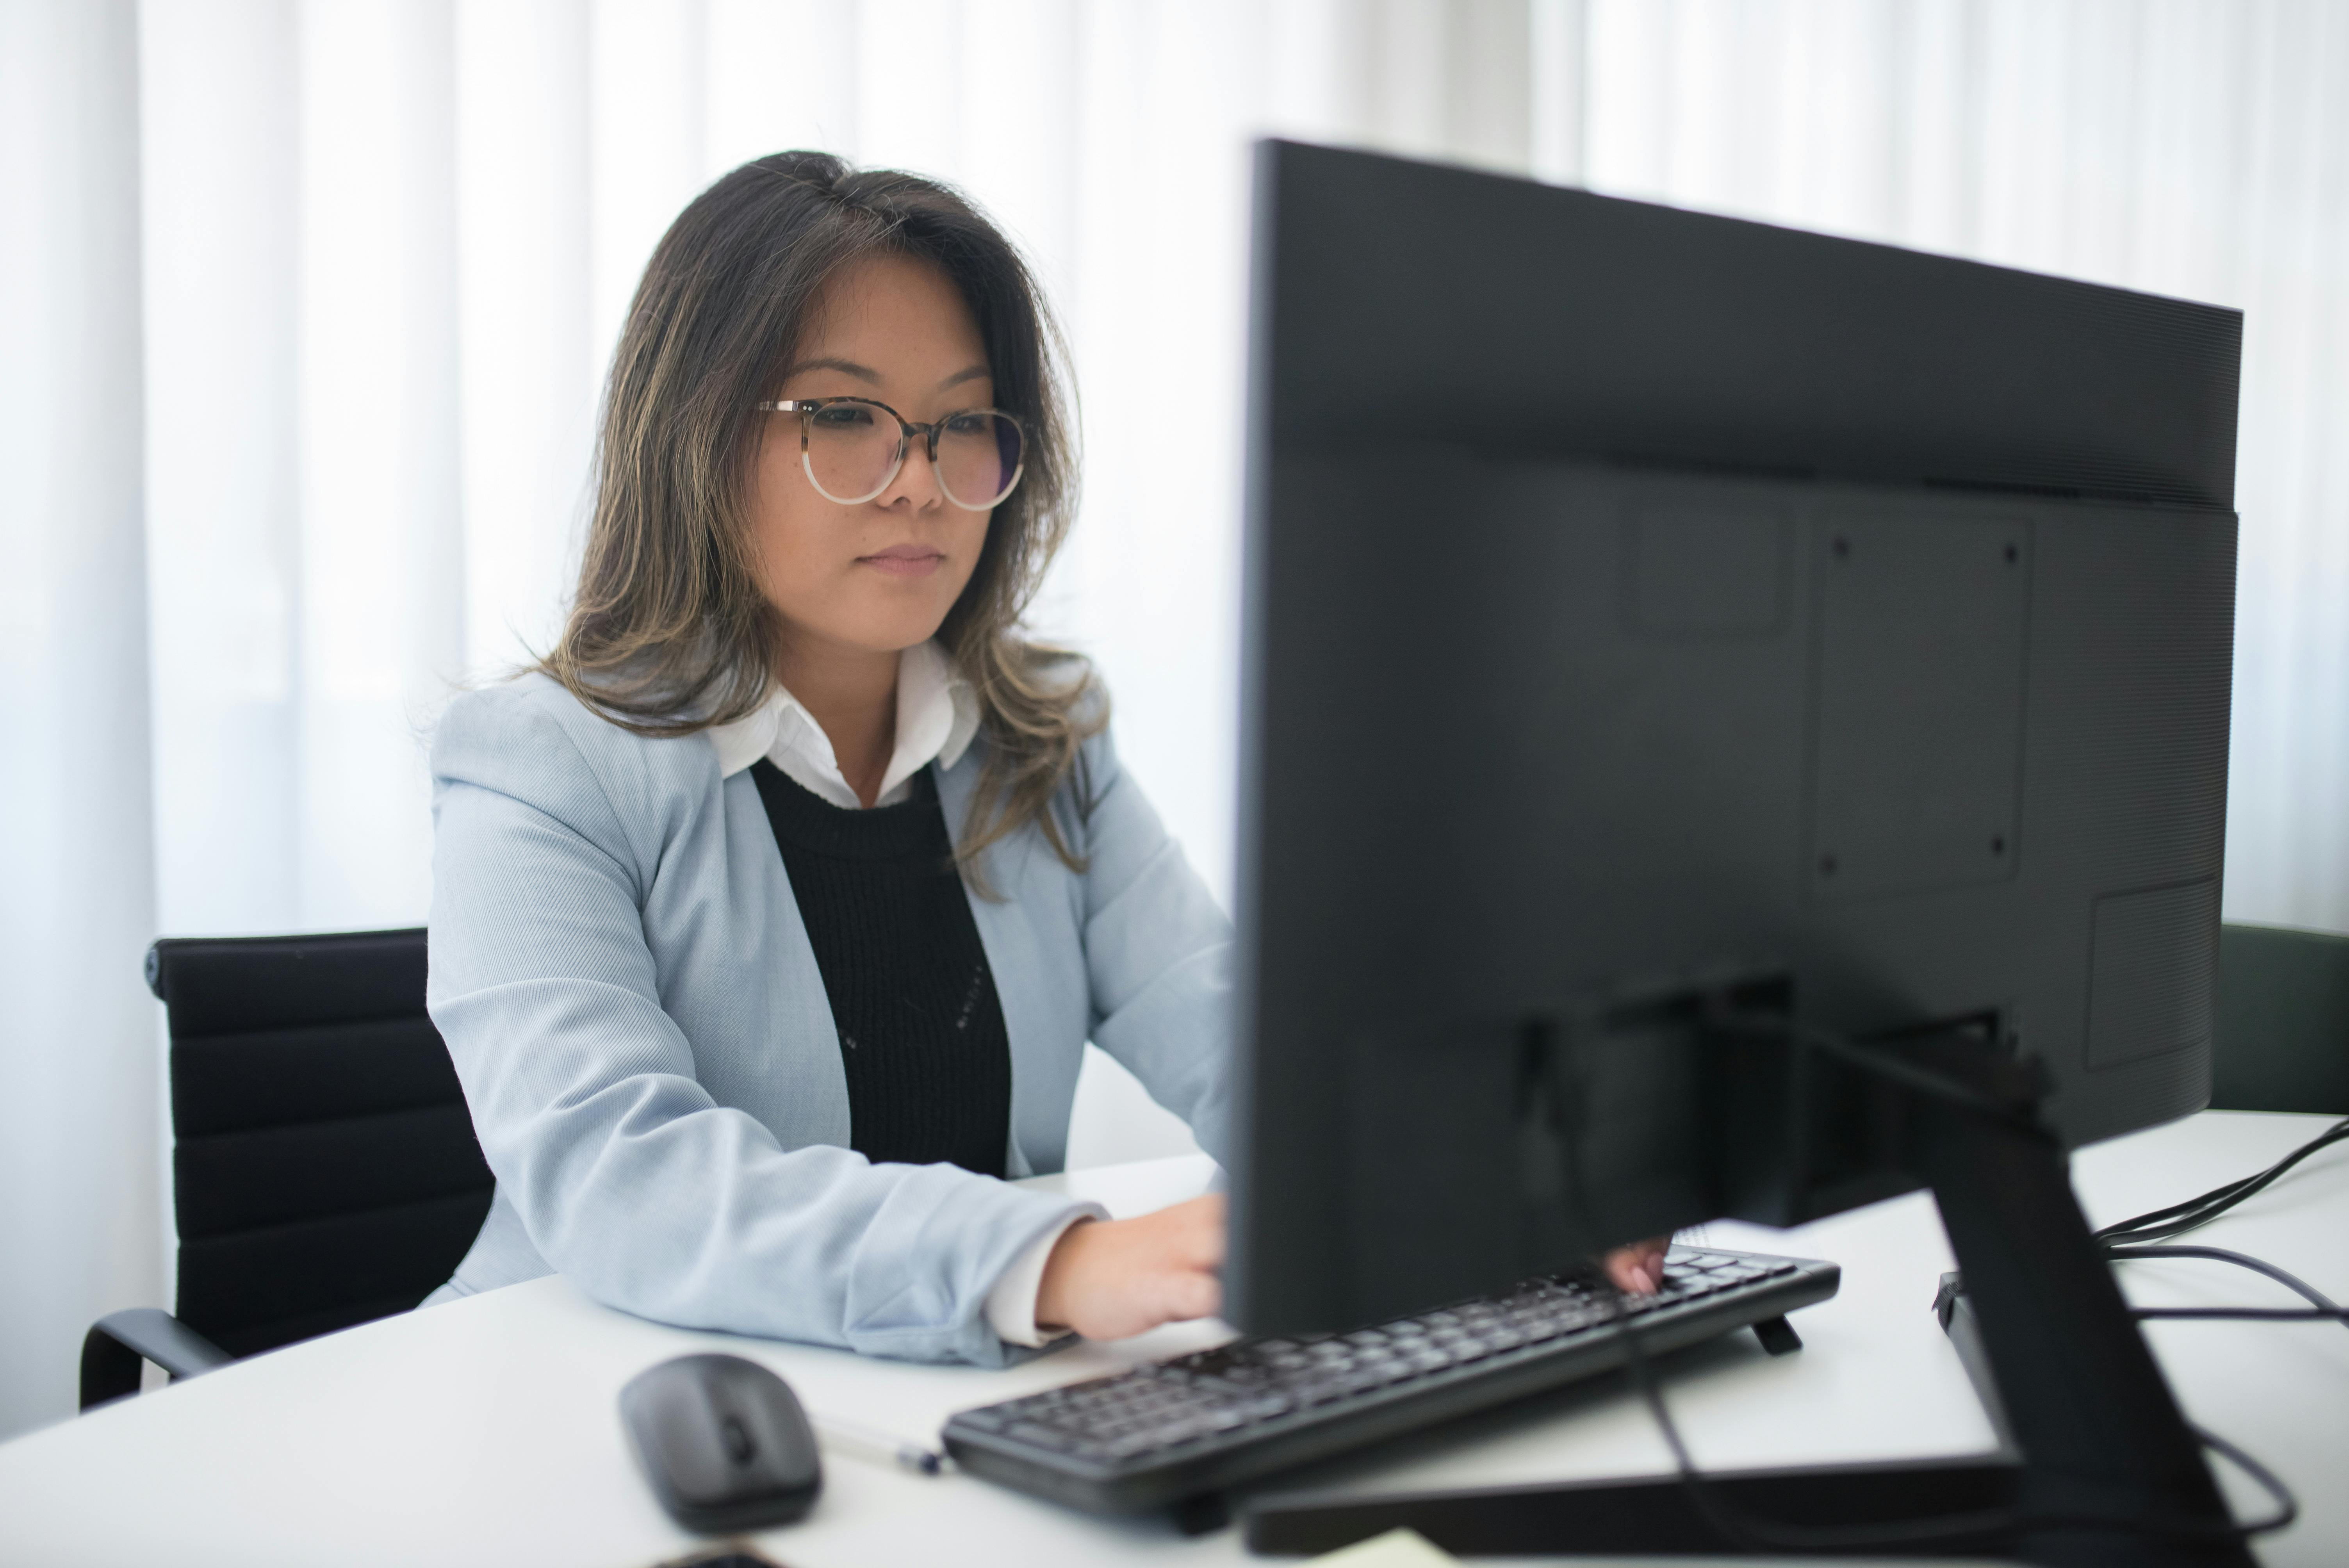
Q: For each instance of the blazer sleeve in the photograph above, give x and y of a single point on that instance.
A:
(1158, 954)
(631, 1181)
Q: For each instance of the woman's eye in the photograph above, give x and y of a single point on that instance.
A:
(843, 417)
(971, 424)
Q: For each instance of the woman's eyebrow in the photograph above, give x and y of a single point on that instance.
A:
(845, 366)
(865, 373)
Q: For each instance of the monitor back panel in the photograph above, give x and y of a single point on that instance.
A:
(1524, 723)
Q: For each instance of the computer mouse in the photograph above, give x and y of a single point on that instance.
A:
(723, 1441)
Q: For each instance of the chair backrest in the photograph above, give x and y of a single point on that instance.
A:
(326, 1168)
(2283, 1021)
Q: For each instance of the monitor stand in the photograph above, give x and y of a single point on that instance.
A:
(2094, 1427)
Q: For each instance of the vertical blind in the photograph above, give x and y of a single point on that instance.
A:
(326, 287)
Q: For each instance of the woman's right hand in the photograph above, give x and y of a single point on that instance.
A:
(1107, 1279)
(1638, 1269)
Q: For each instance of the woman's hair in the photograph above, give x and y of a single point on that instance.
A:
(670, 632)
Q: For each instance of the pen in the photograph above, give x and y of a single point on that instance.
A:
(870, 1443)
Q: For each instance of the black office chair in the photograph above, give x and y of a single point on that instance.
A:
(326, 1169)
(2283, 1021)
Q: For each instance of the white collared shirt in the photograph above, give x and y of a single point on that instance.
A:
(937, 714)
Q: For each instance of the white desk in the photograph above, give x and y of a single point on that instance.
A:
(484, 1432)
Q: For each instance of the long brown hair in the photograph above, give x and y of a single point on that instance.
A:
(669, 631)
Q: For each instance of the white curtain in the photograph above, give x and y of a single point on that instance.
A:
(382, 248)
(79, 1216)
(389, 246)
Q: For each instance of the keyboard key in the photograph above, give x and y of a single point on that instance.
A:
(1043, 1436)
(1182, 1430)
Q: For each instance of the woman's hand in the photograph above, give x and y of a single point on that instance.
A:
(1638, 1269)
(1110, 1278)
(1107, 1279)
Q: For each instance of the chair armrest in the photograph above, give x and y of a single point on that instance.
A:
(118, 1342)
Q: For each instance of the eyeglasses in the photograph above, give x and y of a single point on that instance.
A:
(852, 453)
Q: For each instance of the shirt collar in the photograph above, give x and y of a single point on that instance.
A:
(938, 717)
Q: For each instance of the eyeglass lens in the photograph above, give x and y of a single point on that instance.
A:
(852, 453)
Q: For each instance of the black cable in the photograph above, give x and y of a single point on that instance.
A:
(1954, 1530)
(2178, 1219)
(2325, 1306)
(2287, 1505)
(2291, 1282)
(2211, 1205)
(2253, 1314)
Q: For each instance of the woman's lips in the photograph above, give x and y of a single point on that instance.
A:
(905, 561)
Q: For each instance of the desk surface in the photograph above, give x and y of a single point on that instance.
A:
(484, 1431)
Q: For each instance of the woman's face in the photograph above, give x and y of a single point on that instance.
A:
(878, 576)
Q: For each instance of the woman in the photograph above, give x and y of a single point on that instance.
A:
(771, 914)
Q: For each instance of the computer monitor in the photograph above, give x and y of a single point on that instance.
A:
(1653, 617)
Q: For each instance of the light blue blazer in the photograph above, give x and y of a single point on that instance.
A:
(619, 968)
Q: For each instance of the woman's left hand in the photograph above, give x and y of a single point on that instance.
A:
(1107, 1279)
(1638, 1269)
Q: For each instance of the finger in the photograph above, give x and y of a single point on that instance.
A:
(1633, 1269)
(1623, 1271)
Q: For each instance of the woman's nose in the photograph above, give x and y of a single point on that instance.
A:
(917, 481)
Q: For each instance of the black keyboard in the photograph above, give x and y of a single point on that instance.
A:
(1164, 1434)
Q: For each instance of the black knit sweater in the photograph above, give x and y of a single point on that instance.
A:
(921, 1032)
